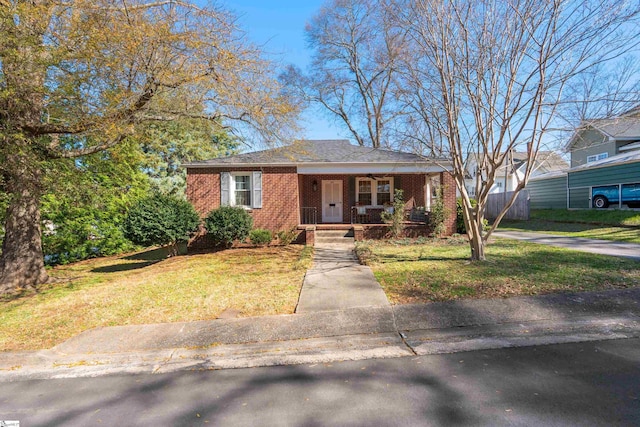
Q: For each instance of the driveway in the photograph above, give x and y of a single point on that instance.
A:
(602, 247)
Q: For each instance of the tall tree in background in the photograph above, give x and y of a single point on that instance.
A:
(488, 76)
(85, 203)
(77, 78)
(168, 144)
(356, 52)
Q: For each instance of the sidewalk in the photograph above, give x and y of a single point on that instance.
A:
(337, 281)
(602, 247)
(329, 336)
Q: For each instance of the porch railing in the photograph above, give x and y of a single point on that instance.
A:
(372, 215)
(309, 215)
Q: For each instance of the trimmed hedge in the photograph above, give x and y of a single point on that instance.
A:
(228, 223)
(260, 236)
(160, 220)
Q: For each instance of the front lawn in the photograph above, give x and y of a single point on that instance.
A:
(441, 271)
(149, 288)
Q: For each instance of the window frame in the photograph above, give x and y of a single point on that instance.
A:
(232, 189)
(596, 157)
(374, 190)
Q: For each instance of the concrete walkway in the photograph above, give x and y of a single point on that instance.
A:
(602, 247)
(337, 281)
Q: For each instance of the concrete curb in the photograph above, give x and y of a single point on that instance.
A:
(326, 337)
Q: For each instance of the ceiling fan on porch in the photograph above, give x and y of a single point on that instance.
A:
(375, 178)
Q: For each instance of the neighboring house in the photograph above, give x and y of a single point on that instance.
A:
(600, 139)
(507, 177)
(323, 182)
(605, 168)
(612, 182)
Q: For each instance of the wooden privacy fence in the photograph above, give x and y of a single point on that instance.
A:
(519, 209)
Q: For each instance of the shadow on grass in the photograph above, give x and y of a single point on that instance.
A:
(391, 258)
(123, 267)
(151, 254)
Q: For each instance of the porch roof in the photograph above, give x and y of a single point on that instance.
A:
(327, 156)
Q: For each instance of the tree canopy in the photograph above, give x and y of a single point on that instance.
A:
(470, 81)
(78, 78)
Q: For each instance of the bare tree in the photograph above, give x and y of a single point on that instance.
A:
(80, 77)
(488, 75)
(356, 53)
(603, 91)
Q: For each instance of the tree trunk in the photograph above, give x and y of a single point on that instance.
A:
(474, 226)
(22, 261)
(477, 248)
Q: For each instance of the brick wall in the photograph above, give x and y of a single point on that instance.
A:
(449, 192)
(280, 207)
(284, 192)
(414, 190)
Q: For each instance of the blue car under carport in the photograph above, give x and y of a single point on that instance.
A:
(603, 196)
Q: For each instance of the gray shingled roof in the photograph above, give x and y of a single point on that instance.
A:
(314, 151)
(552, 161)
(626, 126)
(622, 127)
(547, 160)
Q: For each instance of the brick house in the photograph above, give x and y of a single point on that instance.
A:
(316, 184)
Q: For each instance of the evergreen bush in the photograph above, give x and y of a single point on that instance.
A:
(228, 223)
(161, 220)
(260, 236)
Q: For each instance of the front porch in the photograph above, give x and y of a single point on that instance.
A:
(363, 198)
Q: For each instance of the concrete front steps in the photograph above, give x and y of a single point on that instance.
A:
(329, 237)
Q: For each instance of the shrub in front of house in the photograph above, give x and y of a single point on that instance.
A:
(394, 217)
(439, 214)
(260, 236)
(228, 223)
(286, 237)
(161, 220)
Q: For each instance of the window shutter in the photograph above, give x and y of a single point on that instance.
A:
(256, 182)
(225, 186)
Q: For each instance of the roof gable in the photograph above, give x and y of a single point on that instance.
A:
(618, 128)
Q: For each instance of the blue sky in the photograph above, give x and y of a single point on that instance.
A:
(278, 26)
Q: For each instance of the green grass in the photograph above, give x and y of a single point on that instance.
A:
(589, 216)
(441, 271)
(150, 288)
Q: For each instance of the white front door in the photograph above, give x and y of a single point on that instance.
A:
(331, 201)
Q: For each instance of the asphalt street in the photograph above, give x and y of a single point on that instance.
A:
(594, 383)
